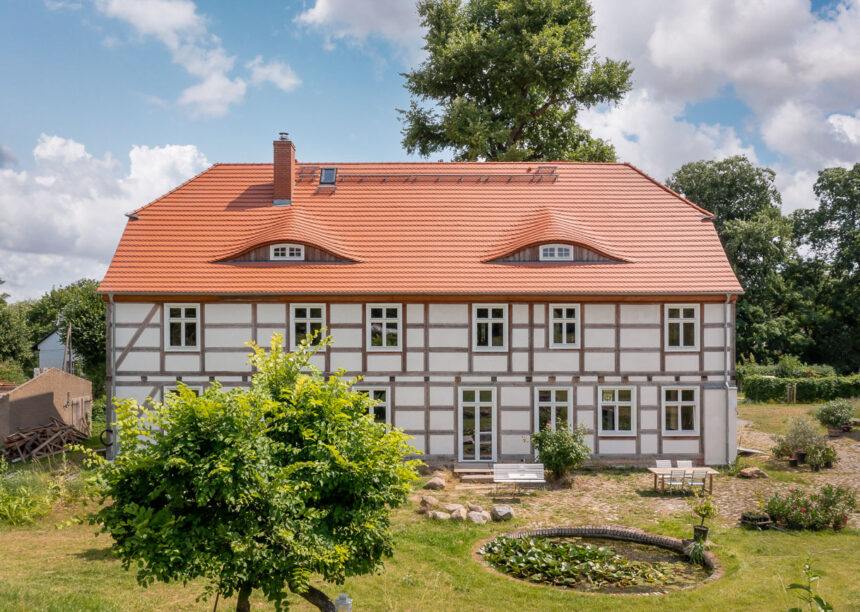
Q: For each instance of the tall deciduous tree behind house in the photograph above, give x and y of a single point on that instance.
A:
(259, 489)
(505, 79)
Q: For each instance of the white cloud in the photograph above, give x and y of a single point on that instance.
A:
(67, 213)
(847, 126)
(277, 73)
(8, 157)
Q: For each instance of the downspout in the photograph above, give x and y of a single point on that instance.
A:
(726, 385)
(109, 407)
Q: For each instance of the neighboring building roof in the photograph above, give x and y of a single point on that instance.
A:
(423, 228)
(6, 386)
(45, 337)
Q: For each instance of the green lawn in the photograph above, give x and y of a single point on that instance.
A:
(772, 418)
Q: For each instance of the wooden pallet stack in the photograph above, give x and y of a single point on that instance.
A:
(42, 441)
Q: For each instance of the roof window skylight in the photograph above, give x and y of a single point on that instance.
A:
(328, 176)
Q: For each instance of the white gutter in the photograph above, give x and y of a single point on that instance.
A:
(727, 386)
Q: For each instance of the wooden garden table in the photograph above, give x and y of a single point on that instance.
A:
(662, 473)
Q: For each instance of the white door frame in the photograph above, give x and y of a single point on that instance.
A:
(477, 390)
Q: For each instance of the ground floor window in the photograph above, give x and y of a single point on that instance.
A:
(680, 410)
(617, 413)
(553, 408)
(380, 411)
(306, 319)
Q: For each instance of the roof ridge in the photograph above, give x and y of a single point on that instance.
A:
(674, 193)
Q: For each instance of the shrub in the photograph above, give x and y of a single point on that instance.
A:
(703, 506)
(800, 435)
(829, 507)
(788, 367)
(561, 451)
(759, 388)
(835, 413)
(25, 495)
(13, 372)
(829, 454)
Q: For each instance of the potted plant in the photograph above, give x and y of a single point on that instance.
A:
(702, 505)
(835, 415)
(792, 462)
(800, 455)
(815, 457)
(829, 456)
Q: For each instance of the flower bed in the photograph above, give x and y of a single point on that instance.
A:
(828, 508)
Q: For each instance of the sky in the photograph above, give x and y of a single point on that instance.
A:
(107, 104)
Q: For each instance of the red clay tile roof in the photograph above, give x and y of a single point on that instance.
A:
(423, 228)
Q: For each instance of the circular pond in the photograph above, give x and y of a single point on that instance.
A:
(598, 559)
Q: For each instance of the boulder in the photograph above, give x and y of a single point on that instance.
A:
(474, 508)
(453, 507)
(438, 515)
(751, 472)
(459, 514)
(478, 517)
(428, 501)
(486, 515)
(502, 513)
(435, 483)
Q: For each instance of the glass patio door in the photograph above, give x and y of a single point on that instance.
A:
(477, 424)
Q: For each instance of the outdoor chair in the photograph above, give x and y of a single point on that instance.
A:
(664, 463)
(697, 480)
(677, 478)
(684, 464)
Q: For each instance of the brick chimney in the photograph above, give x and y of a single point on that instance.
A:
(285, 163)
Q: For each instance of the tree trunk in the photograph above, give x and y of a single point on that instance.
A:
(244, 603)
(319, 599)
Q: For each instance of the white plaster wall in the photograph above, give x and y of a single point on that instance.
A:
(520, 313)
(449, 362)
(515, 445)
(682, 362)
(599, 338)
(610, 446)
(640, 313)
(443, 337)
(687, 447)
(714, 425)
(318, 360)
(136, 393)
(135, 313)
(346, 313)
(384, 363)
(415, 361)
(441, 396)
(539, 337)
(442, 420)
(272, 314)
(410, 420)
(149, 338)
(639, 338)
(556, 361)
(714, 336)
(227, 313)
(415, 314)
(599, 362)
(640, 362)
(520, 337)
(226, 362)
(142, 362)
(227, 338)
(441, 444)
(449, 313)
(648, 444)
(490, 363)
(415, 338)
(515, 420)
(264, 335)
(589, 442)
(417, 443)
(409, 396)
(585, 417)
(598, 313)
(348, 338)
(584, 395)
(713, 313)
(540, 314)
(351, 362)
(648, 396)
(516, 396)
(649, 419)
(519, 362)
(715, 360)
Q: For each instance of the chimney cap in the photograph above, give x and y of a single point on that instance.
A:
(283, 136)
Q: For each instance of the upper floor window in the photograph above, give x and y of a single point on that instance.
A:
(682, 327)
(182, 326)
(680, 410)
(328, 176)
(174, 390)
(554, 408)
(617, 413)
(490, 327)
(379, 411)
(287, 252)
(564, 325)
(306, 319)
(556, 252)
(383, 327)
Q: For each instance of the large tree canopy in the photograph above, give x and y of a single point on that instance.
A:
(258, 489)
(505, 80)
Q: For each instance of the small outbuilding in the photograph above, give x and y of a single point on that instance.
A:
(53, 393)
(54, 353)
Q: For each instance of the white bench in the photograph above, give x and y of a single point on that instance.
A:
(518, 473)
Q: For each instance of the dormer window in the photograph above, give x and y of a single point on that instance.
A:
(556, 252)
(287, 252)
(328, 176)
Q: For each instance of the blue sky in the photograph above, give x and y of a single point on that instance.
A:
(106, 104)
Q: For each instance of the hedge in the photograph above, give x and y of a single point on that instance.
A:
(762, 388)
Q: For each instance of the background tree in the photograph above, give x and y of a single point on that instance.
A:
(505, 80)
(3, 295)
(258, 489)
(14, 337)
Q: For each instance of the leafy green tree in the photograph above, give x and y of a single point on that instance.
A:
(3, 295)
(14, 337)
(258, 489)
(505, 80)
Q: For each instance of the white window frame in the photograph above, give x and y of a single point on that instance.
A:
(477, 402)
(387, 404)
(295, 341)
(490, 321)
(696, 411)
(184, 321)
(175, 388)
(632, 432)
(554, 405)
(555, 256)
(300, 256)
(370, 320)
(696, 320)
(563, 320)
